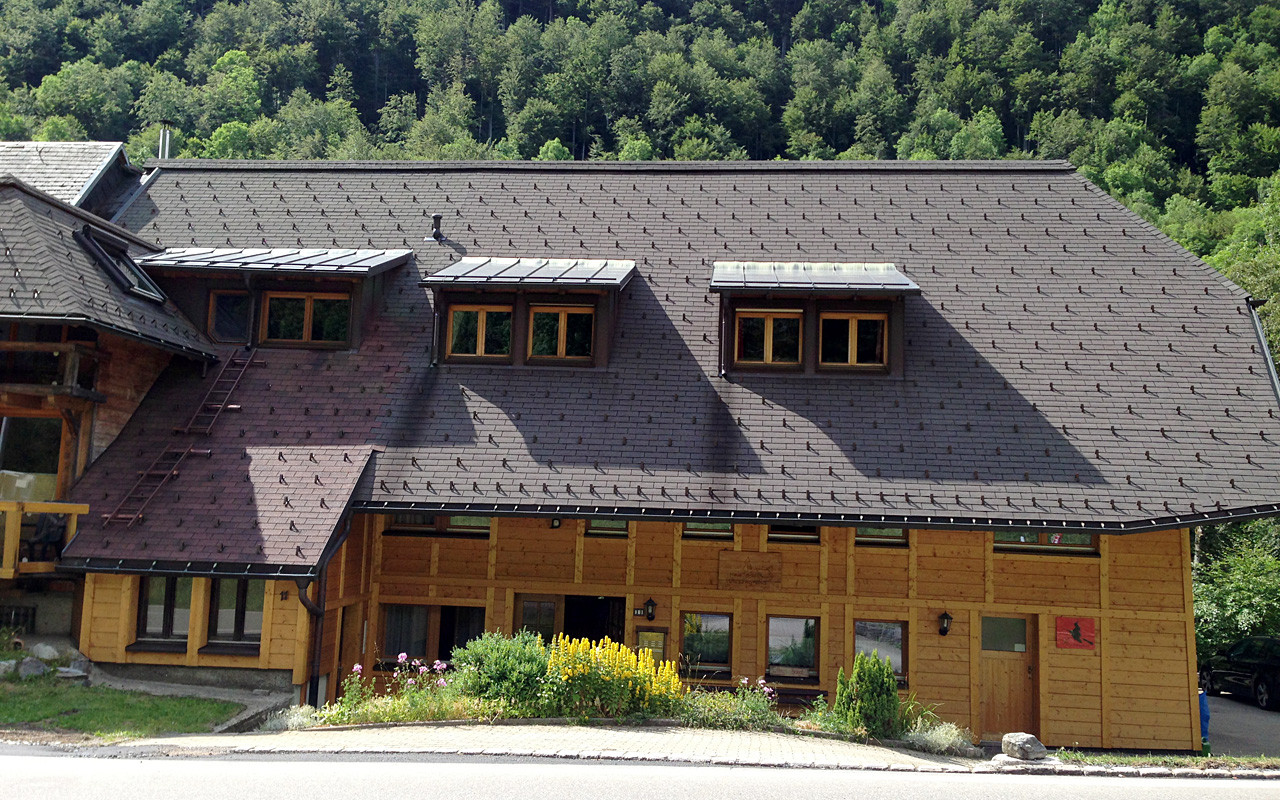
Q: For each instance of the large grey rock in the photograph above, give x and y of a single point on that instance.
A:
(7, 668)
(43, 651)
(1023, 746)
(32, 668)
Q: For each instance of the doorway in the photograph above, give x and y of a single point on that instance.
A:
(1008, 678)
(593, 617)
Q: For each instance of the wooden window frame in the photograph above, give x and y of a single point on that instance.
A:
(707, 534)
(902, 675)
(784, 536)
(214, 294)
(706, 669)
(873, 540)
(564, 310)
(768, 315)
(440, 526)
(306, 341)
(851, 318)
(605, 533)
(1045, 544)
(238, 634)
(112, 254)
(484, 309)
(813, 672)
(165, 640)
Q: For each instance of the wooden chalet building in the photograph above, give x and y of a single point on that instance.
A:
(753, 416)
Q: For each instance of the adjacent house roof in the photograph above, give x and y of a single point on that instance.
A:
(557, 273)
(49, 276)
(326, 262)
(810, 277)
(1065, 365)
(90, 175)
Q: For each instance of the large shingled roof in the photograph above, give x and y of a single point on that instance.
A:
(49, 277)
(1066, 365)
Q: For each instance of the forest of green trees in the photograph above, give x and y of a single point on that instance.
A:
(1172, 106)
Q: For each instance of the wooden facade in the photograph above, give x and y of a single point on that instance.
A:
(1135, 688)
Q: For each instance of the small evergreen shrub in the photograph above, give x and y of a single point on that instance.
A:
(868, 697)
(507, 669)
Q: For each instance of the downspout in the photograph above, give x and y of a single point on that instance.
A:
(315, 608)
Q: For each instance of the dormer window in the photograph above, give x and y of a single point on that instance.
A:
(528, 311)
(305, 318)
(479, 331)
(112, 254)
(812, 317)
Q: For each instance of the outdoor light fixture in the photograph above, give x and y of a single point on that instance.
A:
(650, 609)
(555, 523)
(944, 624)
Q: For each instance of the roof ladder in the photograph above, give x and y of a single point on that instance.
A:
(150, 481)
(218, 398)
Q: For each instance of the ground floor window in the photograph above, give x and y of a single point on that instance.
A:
(428, 632)
(164, 610)
(706, 642)
(235, 611)
(793, 647)
(884, 640)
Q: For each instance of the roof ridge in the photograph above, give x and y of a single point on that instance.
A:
(1005, 165)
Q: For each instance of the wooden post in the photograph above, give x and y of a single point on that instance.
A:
(12, 534)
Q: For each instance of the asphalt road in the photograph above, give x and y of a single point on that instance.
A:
(72, 778)
(1239, 728)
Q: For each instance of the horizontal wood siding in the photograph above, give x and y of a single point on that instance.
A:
(1047, 580)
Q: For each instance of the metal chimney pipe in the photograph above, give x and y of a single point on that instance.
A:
(166, 140)
(435, 227)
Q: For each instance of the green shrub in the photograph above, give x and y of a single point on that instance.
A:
(747, 708)
(868, 697)
(942, 738)
(511, 670)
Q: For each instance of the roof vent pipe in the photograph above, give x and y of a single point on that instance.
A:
(166, 139)
(435, 227)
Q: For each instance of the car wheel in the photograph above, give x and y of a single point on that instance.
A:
(1206, 683)
(1263, 693)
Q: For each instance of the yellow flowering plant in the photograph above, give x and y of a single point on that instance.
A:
(605, 678)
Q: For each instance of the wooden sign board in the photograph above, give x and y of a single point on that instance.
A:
(1077, 633)
(740, 570)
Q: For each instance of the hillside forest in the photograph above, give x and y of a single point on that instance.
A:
(1172, 106)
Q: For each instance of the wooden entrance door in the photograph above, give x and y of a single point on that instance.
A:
(1007, 676)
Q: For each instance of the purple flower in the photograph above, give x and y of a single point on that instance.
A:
(411, 682)
(439, 666)
(422, 669)
(357, 669)
(760, 681)
(403, 657)
(442, 683)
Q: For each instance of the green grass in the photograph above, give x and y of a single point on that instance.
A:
(1170, 761)
(48, 704)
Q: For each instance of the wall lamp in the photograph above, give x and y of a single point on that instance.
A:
(650, 609)
(555, 523)
(944, 624)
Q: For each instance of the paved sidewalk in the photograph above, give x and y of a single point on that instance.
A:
(646, 743)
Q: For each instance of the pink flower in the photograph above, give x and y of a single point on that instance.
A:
(403, 657)
(421, 670)
(439, 666)
(356, 669)
(743, 681)
(760, 681)
(442, 683)
(412, 682)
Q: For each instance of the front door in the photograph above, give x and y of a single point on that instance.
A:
(594, 618)
(1008, 676)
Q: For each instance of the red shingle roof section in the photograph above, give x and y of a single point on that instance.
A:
(1065, 364)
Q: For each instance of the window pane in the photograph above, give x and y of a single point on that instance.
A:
(1017, 537)
(1004, 633)
(885, 638)
(497, 333)
(231, 317)
(406, 631)
(882, 535)
(807, 534)
(1071, 539)
(709, 530)
(607, 527)
(222, 619)
(786, 341)
(577, 341)
(835, 341)
(285, 317)
(254, 596)
(465, 327)
(153, 596)
(458, 625)
(468, 524)
(539, 616)
(329, 320)
(791, 641)
(870, 341)
(545, 338)
(750, 339)
(182, 607)
(706, 640)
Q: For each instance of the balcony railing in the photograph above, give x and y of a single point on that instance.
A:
(49, 368)
(34, 535)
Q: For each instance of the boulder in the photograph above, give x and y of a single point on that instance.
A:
(7, 668)
(1023, 746)
(43, 651)
(32, 668)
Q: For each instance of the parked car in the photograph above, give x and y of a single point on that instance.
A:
(1251, 666)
